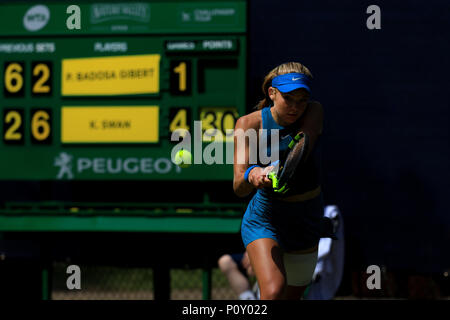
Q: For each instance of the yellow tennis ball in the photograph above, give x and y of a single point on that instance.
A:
(183, 158)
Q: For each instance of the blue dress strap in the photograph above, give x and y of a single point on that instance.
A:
(267, 120)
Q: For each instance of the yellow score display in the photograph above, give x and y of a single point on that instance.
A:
(220, 120)
(108, 76)
(216, 122)
(118, 124)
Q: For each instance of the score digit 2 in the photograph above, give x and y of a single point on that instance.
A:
(41, 78)
(13, 128)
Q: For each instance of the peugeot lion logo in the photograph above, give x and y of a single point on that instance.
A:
(64, 162)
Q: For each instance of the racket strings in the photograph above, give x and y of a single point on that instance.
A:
(289, 162)
(295, 157)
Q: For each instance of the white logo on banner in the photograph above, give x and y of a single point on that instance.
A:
(64, 162)
(74, 280)
(36, 18)
(112, 166)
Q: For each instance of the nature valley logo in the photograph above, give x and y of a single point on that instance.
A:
(102, 12)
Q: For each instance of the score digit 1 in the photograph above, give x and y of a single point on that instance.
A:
(180, 77)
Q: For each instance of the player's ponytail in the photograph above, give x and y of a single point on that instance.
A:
(284, 68)
(265, 89)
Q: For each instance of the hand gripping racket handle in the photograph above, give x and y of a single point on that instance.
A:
(272, 175)
(296, 139)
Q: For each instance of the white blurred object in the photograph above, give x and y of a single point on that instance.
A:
(256, 291)
(330, 265)
(247, 295)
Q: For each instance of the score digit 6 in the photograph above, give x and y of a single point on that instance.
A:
(13, 84)
(41, 126)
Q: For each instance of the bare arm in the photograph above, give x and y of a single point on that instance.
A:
(312, 123)
(257, 177)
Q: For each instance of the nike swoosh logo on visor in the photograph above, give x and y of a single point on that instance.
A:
(295, 79)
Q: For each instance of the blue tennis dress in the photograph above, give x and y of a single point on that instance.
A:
(294, 225)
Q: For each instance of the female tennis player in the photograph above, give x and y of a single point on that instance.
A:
(280, 231)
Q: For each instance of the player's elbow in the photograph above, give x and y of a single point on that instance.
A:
(241, 194)
(239, 190)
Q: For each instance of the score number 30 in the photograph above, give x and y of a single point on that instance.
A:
(213, 120)
(218, 119)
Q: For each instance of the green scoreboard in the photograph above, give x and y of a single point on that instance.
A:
(96, 90)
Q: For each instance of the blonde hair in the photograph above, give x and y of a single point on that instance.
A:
(288, 67)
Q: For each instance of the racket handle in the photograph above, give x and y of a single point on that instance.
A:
(275, 182)
(273, 176)
(298, 136)
(282, 190)
(296, 139)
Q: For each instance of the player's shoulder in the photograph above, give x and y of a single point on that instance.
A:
(315, 105)
(251, 120)
(314, 117)
(314, 110)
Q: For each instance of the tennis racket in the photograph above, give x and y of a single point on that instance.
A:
(282, 174)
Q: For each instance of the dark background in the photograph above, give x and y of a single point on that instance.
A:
(386, 136)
